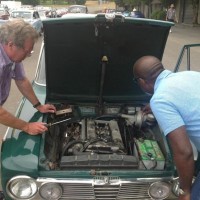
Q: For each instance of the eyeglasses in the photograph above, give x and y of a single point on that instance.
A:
(27, 52)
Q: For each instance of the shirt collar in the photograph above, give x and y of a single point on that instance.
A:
(160, 77)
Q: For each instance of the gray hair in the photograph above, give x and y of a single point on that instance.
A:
(17, 31)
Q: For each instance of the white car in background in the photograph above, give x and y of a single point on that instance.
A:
(77, 9)
(42, 14)
(30, 16)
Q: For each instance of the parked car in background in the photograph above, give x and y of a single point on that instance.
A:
(30, 16)
(4, 13)
(61, 11)
(24, 6)
(2, 21)
(51, 13)
(42, 14)
(108, 10)
(99, 143)
(126, 13)
(137, 14)
(77, 9)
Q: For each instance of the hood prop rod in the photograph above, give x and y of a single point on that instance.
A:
(103, 72)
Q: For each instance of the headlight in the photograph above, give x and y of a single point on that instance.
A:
(21, 187)
(159, 190)
(51, 191)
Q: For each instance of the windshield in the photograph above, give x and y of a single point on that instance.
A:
(42, 13)
(2, 12)
(20, 14)
(77, 9)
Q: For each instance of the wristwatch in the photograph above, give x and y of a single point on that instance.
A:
(37, 104)
(182, 192)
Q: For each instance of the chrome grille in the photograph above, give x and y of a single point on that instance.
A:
(87, 191)
(106, 192)
(133, 191)
(72, 191)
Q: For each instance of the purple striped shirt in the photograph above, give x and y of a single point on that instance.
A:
(8, 71)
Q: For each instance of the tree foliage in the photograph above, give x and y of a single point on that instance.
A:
(30, 2)
(130, 3)
(165, 3)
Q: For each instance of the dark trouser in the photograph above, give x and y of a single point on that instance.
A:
(170, 20)
(195, 194)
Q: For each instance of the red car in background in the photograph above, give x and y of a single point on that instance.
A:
(4, 14)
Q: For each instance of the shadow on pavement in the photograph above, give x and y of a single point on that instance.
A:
(1, 195)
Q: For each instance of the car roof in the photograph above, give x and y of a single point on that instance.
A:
(77, 15)
(77, 6)
(24, 10)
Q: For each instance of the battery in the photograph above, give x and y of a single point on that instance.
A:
(150, 154)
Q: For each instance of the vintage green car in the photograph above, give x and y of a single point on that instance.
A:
(99, 144)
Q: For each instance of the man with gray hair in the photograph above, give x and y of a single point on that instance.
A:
(175, 103)
(17, 39)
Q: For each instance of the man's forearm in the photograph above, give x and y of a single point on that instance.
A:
(183, 156)
(26, 89)
(185, 167)
(8, 119)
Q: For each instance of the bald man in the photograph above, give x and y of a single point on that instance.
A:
(175, 103)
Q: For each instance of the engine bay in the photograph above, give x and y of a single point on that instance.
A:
(118, 136)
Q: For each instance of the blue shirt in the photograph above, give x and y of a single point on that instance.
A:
(176, 102)
(8, 70)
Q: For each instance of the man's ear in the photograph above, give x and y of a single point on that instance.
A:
(10, 44)
(147, 85)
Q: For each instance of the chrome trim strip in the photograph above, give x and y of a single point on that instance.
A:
(72, 180)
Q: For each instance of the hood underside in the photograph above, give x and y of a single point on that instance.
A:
(91, 57)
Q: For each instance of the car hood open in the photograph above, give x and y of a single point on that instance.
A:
(90, 58)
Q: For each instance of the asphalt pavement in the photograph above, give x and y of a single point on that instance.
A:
(182, 34)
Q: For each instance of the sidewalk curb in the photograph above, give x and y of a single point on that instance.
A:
(190, 25)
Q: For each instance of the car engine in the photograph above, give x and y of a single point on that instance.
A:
(123, 136)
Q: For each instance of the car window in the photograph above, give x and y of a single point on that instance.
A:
(36, 15)
(77, 10)
(42, 13)
(3, 11)
(25, 15)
